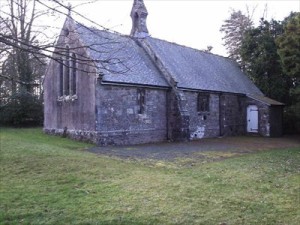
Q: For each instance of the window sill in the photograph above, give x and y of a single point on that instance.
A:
(206, 113)
(67, 98)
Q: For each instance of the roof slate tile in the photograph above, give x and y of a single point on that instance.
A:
(127, 62)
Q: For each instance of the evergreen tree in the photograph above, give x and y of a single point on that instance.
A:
(259, 54)
(289, 48)
(270, 56)
(289, 51)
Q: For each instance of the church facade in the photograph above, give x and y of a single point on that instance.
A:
(113, 89)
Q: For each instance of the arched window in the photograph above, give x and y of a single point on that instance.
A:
(203, 102)
(67, 72)
(74, 75)
(61, 77)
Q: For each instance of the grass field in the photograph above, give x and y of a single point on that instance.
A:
(52, 180)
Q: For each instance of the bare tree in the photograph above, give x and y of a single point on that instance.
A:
(26, 45)
(22, 37)
(234, 29)
(21, 69)
(19, 45)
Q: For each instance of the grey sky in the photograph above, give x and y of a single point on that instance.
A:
(191, 23)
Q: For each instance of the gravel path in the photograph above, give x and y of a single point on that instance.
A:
(171, 151)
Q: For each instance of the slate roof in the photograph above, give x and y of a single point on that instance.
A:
(191, 68)
(196, 69)
(126, 62)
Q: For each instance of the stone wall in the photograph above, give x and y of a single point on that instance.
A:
(119, 121)
(79, 135)
(203, 124)
(226, 116)
(73, 111)
(232, 114)
(178, 116)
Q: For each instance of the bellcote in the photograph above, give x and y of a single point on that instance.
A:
(139, 15)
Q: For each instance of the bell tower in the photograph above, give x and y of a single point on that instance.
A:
(139, 15)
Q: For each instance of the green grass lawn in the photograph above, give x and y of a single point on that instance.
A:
(52, 180)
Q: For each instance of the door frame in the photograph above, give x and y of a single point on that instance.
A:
(252, 116)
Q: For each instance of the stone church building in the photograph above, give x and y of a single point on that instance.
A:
(114, 89)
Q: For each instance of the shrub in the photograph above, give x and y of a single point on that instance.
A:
(22, 109)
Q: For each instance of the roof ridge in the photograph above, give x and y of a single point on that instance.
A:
(135, 38)
(189, 47)
(95, 29)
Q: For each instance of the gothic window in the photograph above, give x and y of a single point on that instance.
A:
(141, 100)
(61, 77)
(74, 75)
(67, 72)
(67, 77)
(203, 102)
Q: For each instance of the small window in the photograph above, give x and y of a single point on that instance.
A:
(141, 100)
(67, 32)
(203, 102)
(74, 75)
(61, 77)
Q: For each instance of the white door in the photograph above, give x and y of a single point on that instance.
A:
(252, 119)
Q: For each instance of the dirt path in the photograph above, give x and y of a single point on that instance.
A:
(227, 146)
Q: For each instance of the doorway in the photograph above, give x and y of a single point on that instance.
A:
(252, 119)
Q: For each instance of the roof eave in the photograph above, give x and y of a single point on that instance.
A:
(267, 101)
(116, 83)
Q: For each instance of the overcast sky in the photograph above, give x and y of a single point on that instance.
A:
(192, 23)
